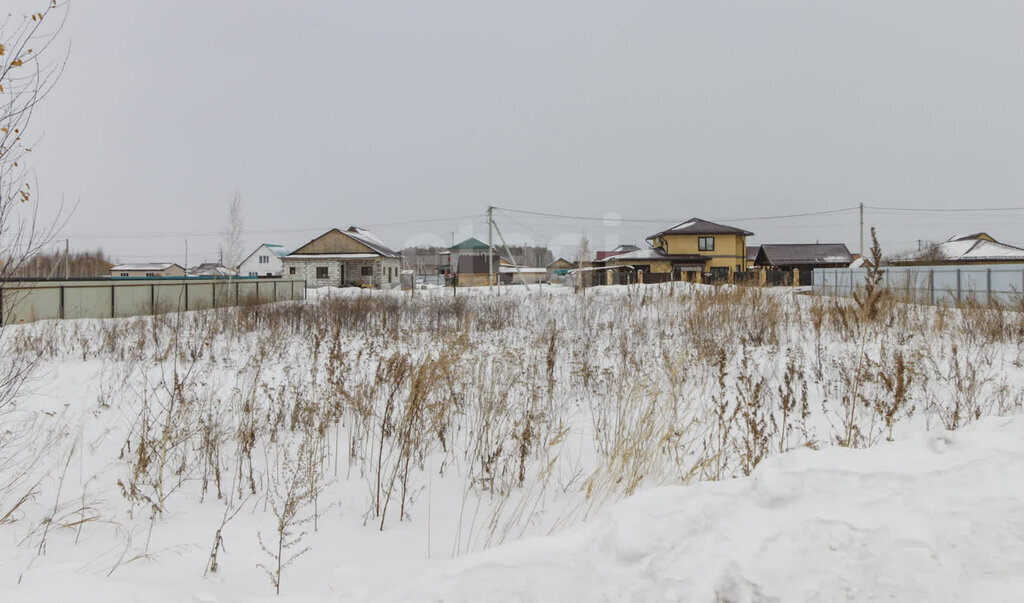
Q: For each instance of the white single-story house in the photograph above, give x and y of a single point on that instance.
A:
(528, 275)
(339, 258)
(264, 261)
(971, 248)
(144, 270)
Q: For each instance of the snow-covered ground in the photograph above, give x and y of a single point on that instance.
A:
(939, 517)
(670, 442)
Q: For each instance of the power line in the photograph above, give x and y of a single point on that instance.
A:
(198, 234)
(943, 210)
(676, 219)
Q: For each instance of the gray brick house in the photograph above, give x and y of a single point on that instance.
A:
(338, 258)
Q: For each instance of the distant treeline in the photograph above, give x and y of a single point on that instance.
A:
(51, 265)
(425, 260)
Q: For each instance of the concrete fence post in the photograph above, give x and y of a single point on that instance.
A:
(958, 289)
(796, 277)
(931, 286)
(988, 286)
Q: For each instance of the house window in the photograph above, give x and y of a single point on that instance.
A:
(150, 274)
(253, 274)
(321, 272)
(264, 259)
(124, 274)
(291, 270)
(367, 271)
(389, 274)
(706, 243)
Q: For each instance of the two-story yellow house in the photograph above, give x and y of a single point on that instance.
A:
(722, 248)
(688, 248)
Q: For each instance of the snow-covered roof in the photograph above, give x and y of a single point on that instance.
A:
(152, 267)
(332, 256)
(278, 250)
(513, 270)
(971, 236)
(360, 235)
(651, 253)
(963, 248)
(370, 240)
(210, 269)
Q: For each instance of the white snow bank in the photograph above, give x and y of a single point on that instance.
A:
(937, 517)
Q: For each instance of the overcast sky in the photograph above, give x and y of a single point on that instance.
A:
(325, 114)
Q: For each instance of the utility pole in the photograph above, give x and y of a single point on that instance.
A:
(67, 255)
(861, 230)
(490, 248)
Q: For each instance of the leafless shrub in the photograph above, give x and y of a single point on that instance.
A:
(289, 494)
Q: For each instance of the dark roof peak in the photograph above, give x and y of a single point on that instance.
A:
(698, 226)
(470, 244)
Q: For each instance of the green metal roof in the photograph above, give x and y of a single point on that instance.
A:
(469, 244)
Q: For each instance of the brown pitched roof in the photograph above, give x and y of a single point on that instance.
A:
(794, 254)
(361, 236)
(696, 226)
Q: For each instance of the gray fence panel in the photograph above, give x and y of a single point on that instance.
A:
(22, 302)
(247, 292)
(933, 284)
(88, 302)
(133, 301)
(224, 293)
(27, 305)
(200, 296)
(1006, 285)
(265, 291)
(169, 297)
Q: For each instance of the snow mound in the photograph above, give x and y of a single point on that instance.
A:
(934, 518)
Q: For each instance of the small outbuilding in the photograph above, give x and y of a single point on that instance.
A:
(472, 271)
(147, 270)
(558, 269)
(783, 258)
(803, 256)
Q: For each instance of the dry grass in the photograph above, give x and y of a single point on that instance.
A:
(530, 398)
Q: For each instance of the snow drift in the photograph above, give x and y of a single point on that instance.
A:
(938, 517)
